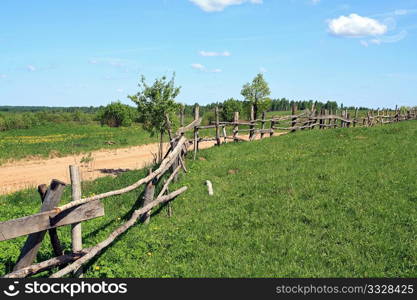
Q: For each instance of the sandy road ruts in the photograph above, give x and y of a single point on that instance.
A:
(30, 173)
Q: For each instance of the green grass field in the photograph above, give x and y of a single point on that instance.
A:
(66, 139)
(330, 203)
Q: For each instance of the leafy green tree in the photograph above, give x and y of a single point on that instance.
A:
(116, 114)
(154, 103)
(256, 93)
(229, 107)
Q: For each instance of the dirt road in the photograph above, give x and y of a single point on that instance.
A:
(30, 173)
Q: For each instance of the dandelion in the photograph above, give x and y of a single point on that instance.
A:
(97, 268)
(149, 253)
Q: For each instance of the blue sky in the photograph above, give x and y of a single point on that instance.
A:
(91, 52)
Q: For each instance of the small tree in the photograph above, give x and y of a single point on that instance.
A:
(154, 103)
(256, 93)
(229, 107)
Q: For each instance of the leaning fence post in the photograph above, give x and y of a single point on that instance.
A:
(216, 111)
(196, 117)
(76, 233)
(236, 126)
(53, 235)
(148, 196)
(34, 240)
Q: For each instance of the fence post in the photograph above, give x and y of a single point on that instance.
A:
(196, 116)
(321, 122)
(76, 232)
(34, 240)
(348, 117)
(236, 126)
(272, 127)
(252, 121)
(293, 119)
(263, 125)
(397, 118)
(356, 117)
(216, 111)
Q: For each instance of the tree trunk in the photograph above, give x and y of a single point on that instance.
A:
(161, 144)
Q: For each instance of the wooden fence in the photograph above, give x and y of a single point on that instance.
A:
(305, 120)
(81, 209)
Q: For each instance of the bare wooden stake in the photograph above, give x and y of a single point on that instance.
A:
(209, 187)
(76, 232)
(356, 118)
(216, 111)
(236, 126)
(263, 125)
(272, 127)
(196, 117)
(252, 121)
(293, 112)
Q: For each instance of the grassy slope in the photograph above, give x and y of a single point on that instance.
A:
(66, 139)
(316, 203)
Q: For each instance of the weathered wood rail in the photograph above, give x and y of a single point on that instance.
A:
(80, 209)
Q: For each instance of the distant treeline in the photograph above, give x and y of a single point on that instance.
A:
(282, 104)
(19, 109)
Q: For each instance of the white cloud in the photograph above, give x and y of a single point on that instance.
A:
(31, 68)
(219, 5)
(216, 71)
(198, 67)
(356, 26)
(210, 53)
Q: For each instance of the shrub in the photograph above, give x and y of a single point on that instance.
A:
(230, 106)
(117, 114)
